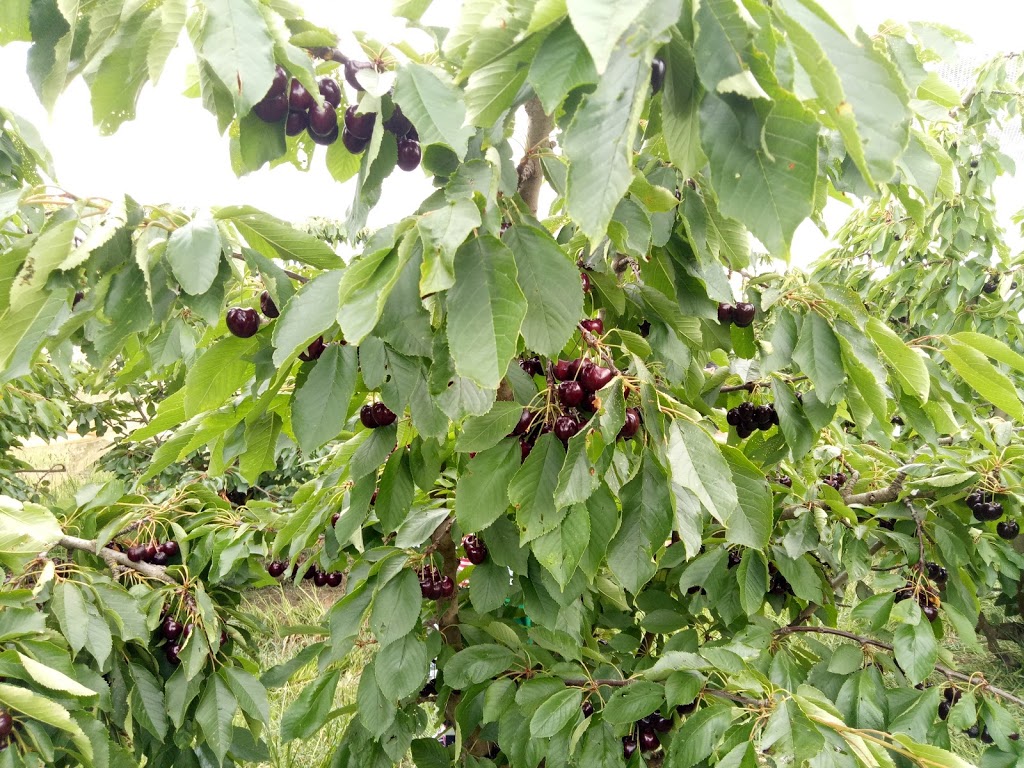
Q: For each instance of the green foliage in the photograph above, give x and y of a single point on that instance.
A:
(659, 560)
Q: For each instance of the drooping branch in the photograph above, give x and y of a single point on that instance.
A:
(538, 134)
(977, 681)
(880, 496)
(113, 558)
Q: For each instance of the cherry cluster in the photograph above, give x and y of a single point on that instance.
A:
(433, 586)
(777, 583)
(748, 418)
(6, 728)
(936, 573)
(645, 735)
(837, 480)
(322, 578)
(984, 506)
(409, 152)
(925, 596)
(476, 550)
(742, 314)
(290, 101)
(176, 633)
(376, 415)
(157, 554)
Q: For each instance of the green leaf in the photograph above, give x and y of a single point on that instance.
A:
(320, 404)
(308, 314)
(860, 92)
(222, 369)
(259, 143)
(992, 347)
(26, 529)
(260, 447)
(552, 286)
(560, 551)
(68, 606)
(556, 713)
(479, 433)
(907, 365)
(486, 309)
(698, 736)
(307, 713)
(46, 711)
(434, 105)
(147, 700)
(238, 47)
(47, 253)
(476, 664)
(561, 64)
(983, 377)
(768, 185)
(698, 466)
(396, 608)
(430, 753)
(248, 692)
(724, 36)
(275, 238)
(916, 650)
(599, 143)
(532, 490)
(647, 510)
(402, 667)
(818, 355)
(931, 755)
(750, 523)
(602, 23)
(492, 89)
(481, 496)
(51, 678)
(578, 478)
(631, 702)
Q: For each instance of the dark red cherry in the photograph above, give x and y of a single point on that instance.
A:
(323, 120)
(299, 99)
(314, 350)
(588, 709)
(171, 629)
(360, 125)
(171, 651)
(159, 558)
(170, 548)
(595, 326)
(628, 746)
(136, 554)
(383, 414)
(272, 108)
(585, 279)
(276, 568)
(398, 124)
(297, 123)
(351, 67)
(1008, 529)
(6, 725)
(280, 83)
(151, 551)
(324, 141)
(447, 586)
(367, 418)
(320, 579)
(409, 154)
(352, 143)
(523, 425)
(334, 579)
(330, 90)
(243, 322)
(570, 393)
(562, 370)
(657, 74)
(661, 724)
(632, 424)
(648, 740)
(267, 305)
(743, 314)
(595, 377)
(725, 313)
(566, 427)
(525, 447)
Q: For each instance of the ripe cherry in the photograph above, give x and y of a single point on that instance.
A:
(330, 90)
(353, 144)
(648, 740)
(280, 83)
(628, 746)
(570, 393)
(243, 322)
(334, 579)
(661, 724)
(725, 313)
(743, 314)
(324, 141)
(585, 279)
(323, 120)
(314, 350)
(588, 708)
(171, 650)
(930, 612)
(566, 427)
(525, 420)
(271, 109)
(276, 568)
(159, 558)
(171, 628)
(383, 414)
(360, 125)
(367, 418)
(351, 67)
(562, 370)
(299, 99)
(447, 587)
(525, 447)
(631, 425)
(398, 123)
(267, 305)
(409, 154)
(657, 74)
(150, 551)
(320, 579)
(595, 326)
(595, 377)
(297, 122)
(170, 548)
(1008, 529)
(136, 553)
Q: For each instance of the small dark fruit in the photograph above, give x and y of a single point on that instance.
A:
(588, 709)
(447, 587)
(314, 350)
(170, 548)
(351, 67)
(631, 425)
(595, 326)
(311, 572)
(330, 90)
(409, 154)
(171, 651)
(570, 393)
(657, 74)
(398, 124)
(952, 695)
(991, 285)
(367, 418)
(973, 732)
(532, 366)
(352, 143)
(585, 279)
(974, 163)
(276, 569)
(280, 83)
(525, 420)
(726, 313)
(159, 558)
(136, 554)
(661, 724)
(320, 579)
(566, 427)
(299, 99)
(79, 295)
(944, 707)
(985, 737)
(323, 119)
(324, 141)
(930, 612)
(267, 305)
(628, 746)
(595, 377)
(735, 558)
(171, 629)
(563, 369)
(271, 109)
(648, 740)
(243, 322)
(360, 125)
(334, 579)
(384, 415)
(743, 314)
(1008, 529)
(297, 122)
(525, 446)
(6, 724)
(151, 551)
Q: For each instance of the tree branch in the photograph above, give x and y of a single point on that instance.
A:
(616, 683)
(113, 558)
(537, 139)
(329, 54)
(881, 496)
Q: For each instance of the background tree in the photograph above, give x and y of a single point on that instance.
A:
(669, 469)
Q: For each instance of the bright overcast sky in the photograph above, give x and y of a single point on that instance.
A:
(172, 153)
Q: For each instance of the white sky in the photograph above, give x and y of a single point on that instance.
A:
(172, 153)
